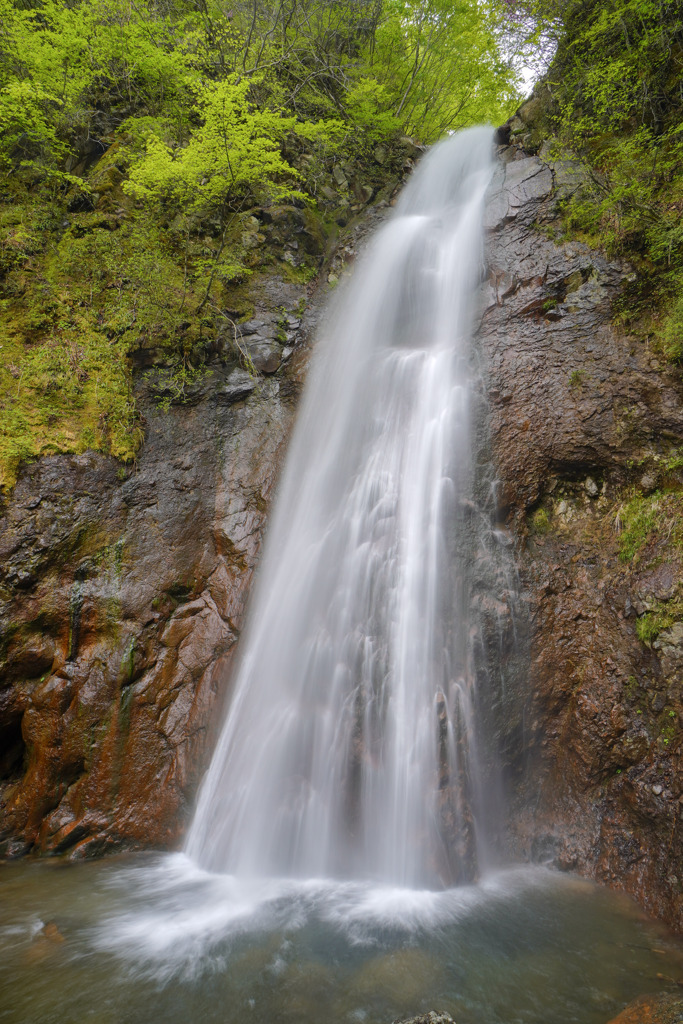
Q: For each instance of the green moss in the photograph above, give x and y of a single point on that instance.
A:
(645, 519)
(661, 617)
(128, 663)
(6, 637)
(302, 274)
(649, 626)
(670, 333)
(668, 728)
(74, 311)
(631, 687)
(67, 390)
(540, 522)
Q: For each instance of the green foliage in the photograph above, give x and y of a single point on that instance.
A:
(234, 156)
(420, 66)
(57, 59)
(620, 64)
(134, 134)
(441, 64)
(368, 106)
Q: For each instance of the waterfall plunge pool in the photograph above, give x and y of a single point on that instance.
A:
(154, 939)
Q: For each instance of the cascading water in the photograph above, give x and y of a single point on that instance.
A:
(349, 748)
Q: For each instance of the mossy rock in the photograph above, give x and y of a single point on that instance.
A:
(283, 224)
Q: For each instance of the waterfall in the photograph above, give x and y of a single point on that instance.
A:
(349, 748)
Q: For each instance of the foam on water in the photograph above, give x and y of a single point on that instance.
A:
(176, 915)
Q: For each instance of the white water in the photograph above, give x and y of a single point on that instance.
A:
(349, 748)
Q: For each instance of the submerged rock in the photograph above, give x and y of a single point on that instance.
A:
(432, 1017)
(652, 1009)
(405, 975)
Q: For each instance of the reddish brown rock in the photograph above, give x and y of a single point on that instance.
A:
(653, 1009)
(120, 604)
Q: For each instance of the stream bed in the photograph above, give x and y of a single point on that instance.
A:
(146, 939)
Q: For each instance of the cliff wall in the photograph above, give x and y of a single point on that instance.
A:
(123, 594)
(586, 426)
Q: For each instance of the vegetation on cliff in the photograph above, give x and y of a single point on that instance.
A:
(613, 98)
(136, 136)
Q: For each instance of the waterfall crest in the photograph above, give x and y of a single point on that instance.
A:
(348, 749)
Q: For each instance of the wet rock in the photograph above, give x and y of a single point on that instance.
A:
(652, 1009)
(265, 354)
(51, 931)
(412, 148)
(588, 728)
(284, 224)
(46, 947)
(339, 177)
(648, 483)
(432, 1017)
(252, 239)
(238, 385)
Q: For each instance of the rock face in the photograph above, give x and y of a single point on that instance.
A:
(122, 595)
(585, 420)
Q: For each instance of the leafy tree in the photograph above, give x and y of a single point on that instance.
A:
(442, 64)
(235, 151)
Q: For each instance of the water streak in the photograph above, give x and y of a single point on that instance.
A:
(349, 748)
